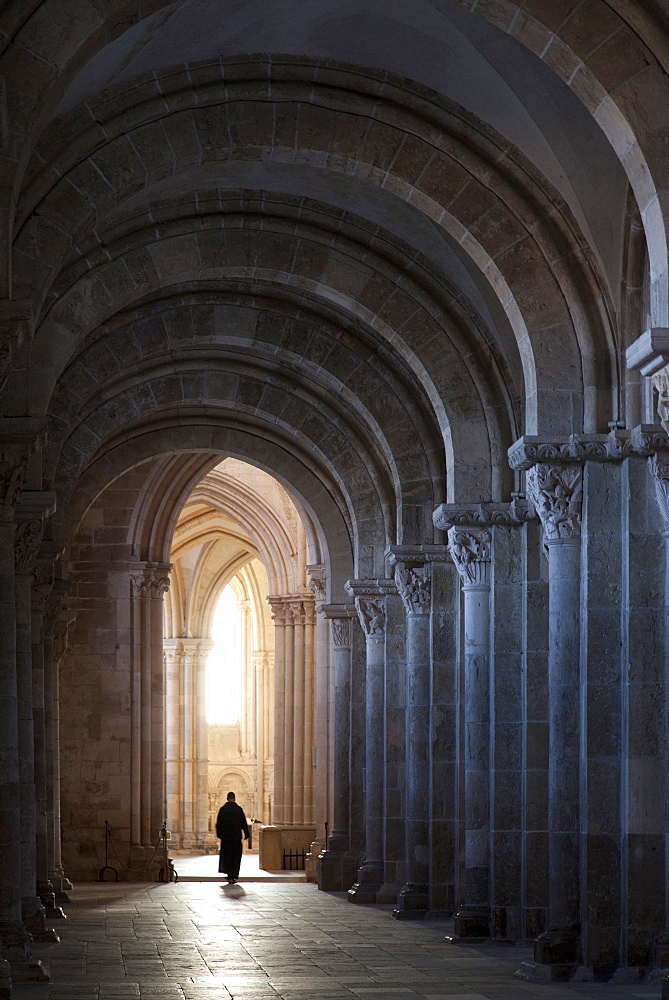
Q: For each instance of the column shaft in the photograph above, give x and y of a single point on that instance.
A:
(336, 869)
(414, 585)
(279, 613)
(372, 614)
(556, 492)
(470, 551)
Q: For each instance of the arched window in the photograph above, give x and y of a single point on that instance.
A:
(224, 665)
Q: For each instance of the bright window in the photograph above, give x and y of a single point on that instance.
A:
(224, 665)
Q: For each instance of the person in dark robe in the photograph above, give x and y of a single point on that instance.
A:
(231, 826)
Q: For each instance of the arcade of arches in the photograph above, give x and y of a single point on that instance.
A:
(353, 319)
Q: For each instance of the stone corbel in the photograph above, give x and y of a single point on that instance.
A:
(650, 351)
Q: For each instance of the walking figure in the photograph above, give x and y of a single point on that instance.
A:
(231, 825)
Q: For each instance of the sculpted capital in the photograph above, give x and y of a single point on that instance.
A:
(659, 466)
(414, 585)
(341, 632)
(556, 491)
(470, 551)
(372, 615)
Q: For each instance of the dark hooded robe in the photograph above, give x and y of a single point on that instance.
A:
(231, 825)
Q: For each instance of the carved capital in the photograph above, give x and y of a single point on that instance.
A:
(27, 541)
(280, 611)
(661, 385)
(341, 632)
(659, 466)
(372, 614)
(150, 580)
(470, 551)
(316, 577)
(42, 584)
(370, 605)
(13, 469)
(53, 606)
(297, 612)
(414, 585)
(556, 491)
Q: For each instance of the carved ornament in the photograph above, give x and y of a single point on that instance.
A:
(556, 492)
(483, 515)
(12, 477)
(279, 610)
(414, 585)
(341, 632)
(615, 446)
(27, 541)
(659, 466)
(150, 586)
(42, 583)
(372, 615)
(470, 551)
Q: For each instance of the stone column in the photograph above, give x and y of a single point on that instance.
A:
(29, 518)
(148, 583)
(14, 939)
(370, 604)
(187, 772)
(413, 582)
(556, 490)
(173, 657)
(43, 581)
(336, 868)
(56, 624)
(294, 708)
(201, 744)
(317, 727)
(280, 617)
(470, 551)
(59, 645)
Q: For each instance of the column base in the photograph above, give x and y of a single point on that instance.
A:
(48, 900)
(472, 925)
(311, 860)
(34, 920)
(336, 871)
(59, 880)
(412, 902)
(557, 956)
(388, 893)
(15, 942)
(535, 972)
(29, 972)
(369, 881)
(558, 946)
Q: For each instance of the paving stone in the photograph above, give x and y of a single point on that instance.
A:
(279, 953)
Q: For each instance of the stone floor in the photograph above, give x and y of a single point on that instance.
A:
(261, 941)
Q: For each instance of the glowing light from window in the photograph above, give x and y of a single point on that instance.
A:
(224, 664)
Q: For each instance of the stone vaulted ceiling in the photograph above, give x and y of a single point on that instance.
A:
(362, 245)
